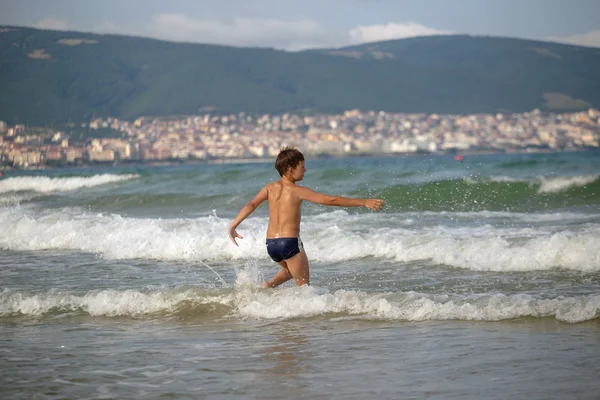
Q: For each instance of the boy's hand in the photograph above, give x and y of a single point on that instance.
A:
(233, 235)
(374, 204)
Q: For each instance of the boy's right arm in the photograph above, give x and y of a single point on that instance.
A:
(245, 212)
(339, 201)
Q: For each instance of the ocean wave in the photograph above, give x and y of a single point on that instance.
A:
(488, 249)
(519, 216)
(549, 184)
(43, 184)
(13, 199)
(327, 238)
(109, 302)
(499, 193)
(553, 185)
(412, 306)
(247, 302)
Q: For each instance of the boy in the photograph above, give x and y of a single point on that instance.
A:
(283, 233)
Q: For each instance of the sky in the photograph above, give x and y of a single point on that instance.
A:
(297, 25)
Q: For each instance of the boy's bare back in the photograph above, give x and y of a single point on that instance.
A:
(284, 209)
(285, 199)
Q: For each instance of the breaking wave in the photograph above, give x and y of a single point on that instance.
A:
(297, 302)
(44, 184)
(327, 238)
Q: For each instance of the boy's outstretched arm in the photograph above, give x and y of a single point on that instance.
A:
(320, 198)
(245, 212)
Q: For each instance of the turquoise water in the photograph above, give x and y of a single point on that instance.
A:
(479, 279)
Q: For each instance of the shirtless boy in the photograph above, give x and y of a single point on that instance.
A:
(283, 233)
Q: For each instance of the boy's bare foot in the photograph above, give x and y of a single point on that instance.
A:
(266, 285)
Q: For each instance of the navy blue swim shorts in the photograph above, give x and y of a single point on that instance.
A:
(283, 248)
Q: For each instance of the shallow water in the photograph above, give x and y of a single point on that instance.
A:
(328, 358)
(479, 279)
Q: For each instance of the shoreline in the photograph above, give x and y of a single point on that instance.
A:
(260, 160)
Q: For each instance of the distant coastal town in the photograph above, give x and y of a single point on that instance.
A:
(222, 138)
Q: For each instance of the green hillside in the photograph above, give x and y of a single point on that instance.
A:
(49, 77)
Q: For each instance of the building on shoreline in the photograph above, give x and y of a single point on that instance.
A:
(243, 136)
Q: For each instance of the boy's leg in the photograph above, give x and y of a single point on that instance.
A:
(298, 267)
(282, 276)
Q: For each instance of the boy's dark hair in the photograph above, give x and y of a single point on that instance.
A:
(289, 157)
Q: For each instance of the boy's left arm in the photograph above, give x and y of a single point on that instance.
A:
(245, 212)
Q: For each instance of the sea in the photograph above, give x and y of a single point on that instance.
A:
(480, 279)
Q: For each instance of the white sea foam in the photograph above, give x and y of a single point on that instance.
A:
(558, 184)
(505, 179)
(105, 302)
(116, 237)
(304, 302)
(579, 252)
(411, 306)
(43, 184)
(14, 199)
(550, 184)
(328, 239)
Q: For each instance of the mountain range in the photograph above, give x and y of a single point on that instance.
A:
(55, 77)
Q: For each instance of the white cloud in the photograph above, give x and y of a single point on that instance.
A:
(390, 31)
(291, 35)
(591, 39)
(239, 31)
(106, 27)
(52, 23)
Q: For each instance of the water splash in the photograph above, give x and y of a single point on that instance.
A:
(215, 272)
